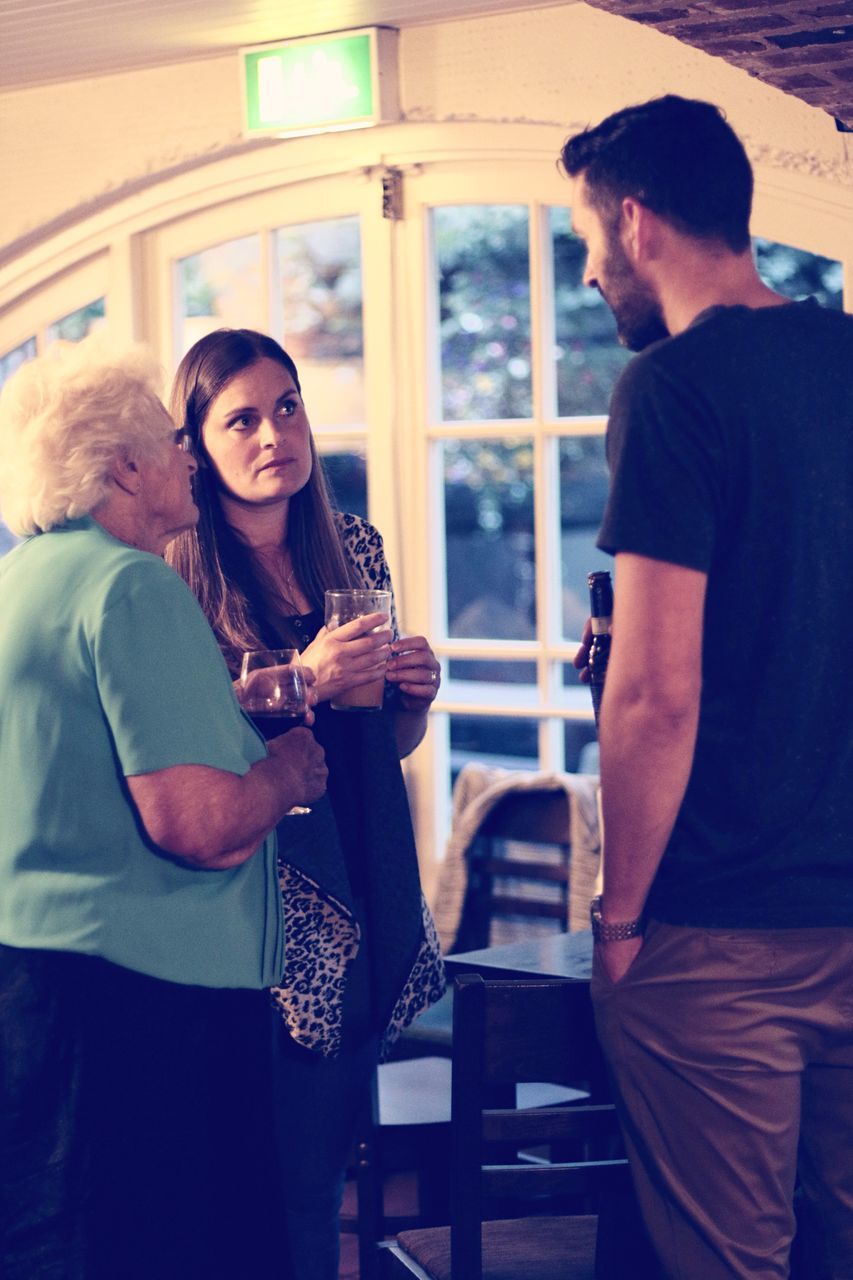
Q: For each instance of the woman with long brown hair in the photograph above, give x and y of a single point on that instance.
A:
(361, 958)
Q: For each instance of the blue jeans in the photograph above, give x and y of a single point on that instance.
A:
(317, 1104)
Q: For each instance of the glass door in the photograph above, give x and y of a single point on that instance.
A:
(514, 364)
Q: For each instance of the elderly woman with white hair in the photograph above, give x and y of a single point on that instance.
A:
(140, 921)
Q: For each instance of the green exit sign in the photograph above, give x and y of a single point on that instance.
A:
(342, 81)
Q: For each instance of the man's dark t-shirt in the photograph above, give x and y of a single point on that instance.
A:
(731, 452)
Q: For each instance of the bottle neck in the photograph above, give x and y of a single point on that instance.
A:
(601, 626)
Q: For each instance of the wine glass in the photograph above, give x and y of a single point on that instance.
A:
(273, 691)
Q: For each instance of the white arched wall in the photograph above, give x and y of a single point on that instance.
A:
(75, 146)
(97, 161)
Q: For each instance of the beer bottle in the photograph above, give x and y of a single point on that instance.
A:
(601, 611)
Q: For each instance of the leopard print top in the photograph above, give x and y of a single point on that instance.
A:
(363, 545)
(322, 937)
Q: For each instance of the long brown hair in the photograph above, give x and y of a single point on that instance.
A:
(234, 591)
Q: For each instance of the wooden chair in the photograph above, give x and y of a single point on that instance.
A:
(405, 1128)
(504, 886)
(408, 1125)
(506, 878)
(506, 1032)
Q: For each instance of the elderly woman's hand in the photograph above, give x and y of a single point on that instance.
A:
(352, 655)
(416, 671)
(302, 765)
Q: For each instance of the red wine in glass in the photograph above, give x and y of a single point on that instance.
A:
(274, 723)
(273, 691)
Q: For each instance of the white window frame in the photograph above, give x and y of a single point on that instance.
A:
(60, 296)
(485, 182)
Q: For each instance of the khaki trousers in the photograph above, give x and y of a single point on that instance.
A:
(732, 1058)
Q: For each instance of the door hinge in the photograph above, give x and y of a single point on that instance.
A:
(392, 194)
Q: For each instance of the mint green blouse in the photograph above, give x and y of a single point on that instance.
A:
(108, 669)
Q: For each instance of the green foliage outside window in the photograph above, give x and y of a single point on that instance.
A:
(198, 295)
(320, 271)
(483, 260)
(588, 355)
(76, 326)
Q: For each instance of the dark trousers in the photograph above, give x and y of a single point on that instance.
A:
(136, 1136)
(732, 1056)
(318, 1103)
(318, 1110)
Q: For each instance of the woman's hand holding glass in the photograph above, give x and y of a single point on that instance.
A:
(352, 655)
(416, 671)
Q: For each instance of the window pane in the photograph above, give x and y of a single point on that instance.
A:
(347, 476)
(488, 509)
(588, 356)
(219, 287)
(571, 679)
(798, 274)
(74, 327)
(13, 359)
(490, 682)
(9, 362)
(583, 492)
(319, 273)
(580, 742)
(484, 672)
(483, 263)
(507, 741)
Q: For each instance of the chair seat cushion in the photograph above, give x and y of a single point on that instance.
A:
(533, 1248)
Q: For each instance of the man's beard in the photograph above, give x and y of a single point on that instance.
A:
(636, 310)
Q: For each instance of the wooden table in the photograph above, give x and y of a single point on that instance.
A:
(623, 1248)
(565, 957)
(556, 955)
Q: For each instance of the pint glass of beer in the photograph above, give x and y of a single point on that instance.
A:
(344, 606)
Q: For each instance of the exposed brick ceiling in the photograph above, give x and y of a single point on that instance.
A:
(801, 47)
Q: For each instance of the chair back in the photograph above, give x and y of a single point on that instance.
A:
(506, 1033)
(505, 884)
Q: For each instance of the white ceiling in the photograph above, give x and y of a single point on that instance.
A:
(50, 40)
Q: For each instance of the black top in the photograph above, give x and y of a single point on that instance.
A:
(363, 851)
(731, 451)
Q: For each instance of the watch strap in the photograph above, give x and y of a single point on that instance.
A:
(613, 931)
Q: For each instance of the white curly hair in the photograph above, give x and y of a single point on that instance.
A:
(64, 419)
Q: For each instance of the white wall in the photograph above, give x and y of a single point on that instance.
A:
(69, 149)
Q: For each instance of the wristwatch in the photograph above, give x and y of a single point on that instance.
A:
(607, 931)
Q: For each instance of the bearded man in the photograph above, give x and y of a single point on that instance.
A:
(723, 971)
